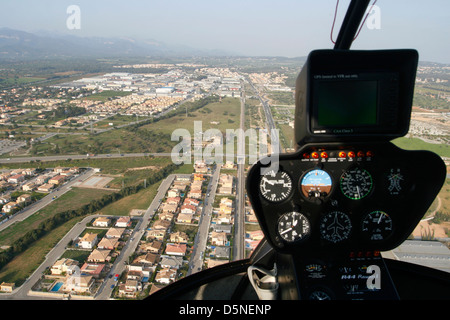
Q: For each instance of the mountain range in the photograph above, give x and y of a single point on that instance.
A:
(21, 45)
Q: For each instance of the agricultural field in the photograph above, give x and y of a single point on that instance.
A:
(152, 137)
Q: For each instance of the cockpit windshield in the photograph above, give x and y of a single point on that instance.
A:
(128, 129)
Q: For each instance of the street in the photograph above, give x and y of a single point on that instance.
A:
(104, 292)
(36, 206)
(196, 262)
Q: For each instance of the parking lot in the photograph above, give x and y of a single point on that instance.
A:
(96, 182)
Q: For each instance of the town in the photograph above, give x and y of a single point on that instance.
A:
(68, 146)
(164, 251)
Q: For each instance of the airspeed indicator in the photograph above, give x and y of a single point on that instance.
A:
(356, 183)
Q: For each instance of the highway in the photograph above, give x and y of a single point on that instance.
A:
(239, 215)
(270, 123)
(81, 156)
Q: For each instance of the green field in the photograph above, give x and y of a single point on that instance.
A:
(153, 137)
(226, 112)
(417, 144)
(13, 81)
(113, 141)
(107, 94)
(71, 200)
(18, 269)
(117, 120)
(107, 165)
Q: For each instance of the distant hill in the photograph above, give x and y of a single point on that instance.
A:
(20, 45)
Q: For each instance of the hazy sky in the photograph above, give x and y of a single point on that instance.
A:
(251, 27)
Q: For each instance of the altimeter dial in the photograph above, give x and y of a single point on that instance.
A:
(275, 186)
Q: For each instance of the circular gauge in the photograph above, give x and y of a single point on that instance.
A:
(293, 226)
(356, 183)
(275, 186)
(377, 226)
(316, 183)
(319, 295)
(315, 271)
(335, 226)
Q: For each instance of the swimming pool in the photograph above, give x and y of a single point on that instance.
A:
(57, 286)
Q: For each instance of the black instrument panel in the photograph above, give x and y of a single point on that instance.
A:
(344, 197)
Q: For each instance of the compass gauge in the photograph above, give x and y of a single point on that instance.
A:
(335, 227)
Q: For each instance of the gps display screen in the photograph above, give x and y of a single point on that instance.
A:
(347, 103)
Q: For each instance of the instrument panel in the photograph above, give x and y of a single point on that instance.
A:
(348, 197)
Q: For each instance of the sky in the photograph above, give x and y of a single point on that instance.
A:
(249, 27)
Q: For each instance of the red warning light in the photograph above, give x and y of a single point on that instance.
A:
(361, 154)
(315, 155)
(324, 155)
(306, 155)
(369, 154)
(351, 154)
(342, 154)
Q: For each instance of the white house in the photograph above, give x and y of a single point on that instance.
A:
(123, 222)
(88, 241)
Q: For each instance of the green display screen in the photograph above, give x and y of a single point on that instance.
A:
(347, 103)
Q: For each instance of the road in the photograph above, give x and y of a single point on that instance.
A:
(239, 216)
(36, 206)
(121, 262)
(196, 262)
(82, 156)
(270, 123)
(23, 291)
(119, 266)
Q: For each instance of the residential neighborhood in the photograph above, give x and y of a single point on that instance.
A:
(109, 249)
(21, 187)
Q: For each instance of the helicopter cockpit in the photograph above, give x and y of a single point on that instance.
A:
(346, 194)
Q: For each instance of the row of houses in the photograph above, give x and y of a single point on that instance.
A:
(183, 199)
(164, 251)
(29, 180)
(80, 278)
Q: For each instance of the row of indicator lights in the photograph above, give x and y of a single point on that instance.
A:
(342, 154)
(367, 254)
